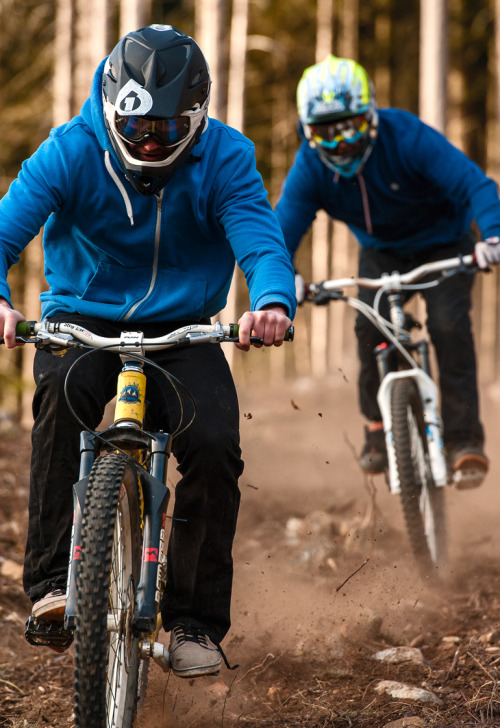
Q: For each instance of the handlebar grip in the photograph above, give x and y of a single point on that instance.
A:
(289, 333)
(25, 328)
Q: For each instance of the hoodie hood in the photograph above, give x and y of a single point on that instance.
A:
(93, 114)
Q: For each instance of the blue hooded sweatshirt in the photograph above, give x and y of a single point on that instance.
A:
(415, 192)
(113, 253)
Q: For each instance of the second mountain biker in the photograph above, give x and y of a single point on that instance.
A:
(409, 197)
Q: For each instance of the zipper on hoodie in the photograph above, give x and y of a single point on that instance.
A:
(154, 272)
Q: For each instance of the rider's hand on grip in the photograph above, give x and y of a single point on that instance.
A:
(9, 318)
(487, 252)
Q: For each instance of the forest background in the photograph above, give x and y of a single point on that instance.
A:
(434, 58)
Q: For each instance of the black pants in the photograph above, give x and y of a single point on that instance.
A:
(207, 497)
(448, 322)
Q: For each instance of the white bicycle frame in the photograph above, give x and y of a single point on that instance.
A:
(433, 424)
(427, 388)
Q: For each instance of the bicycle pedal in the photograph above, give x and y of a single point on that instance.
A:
(468, 478)
(48, 634)
(157, 652)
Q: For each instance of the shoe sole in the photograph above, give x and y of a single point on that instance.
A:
(370, 470)
(196, 671)
(51, 612)
(469, 471)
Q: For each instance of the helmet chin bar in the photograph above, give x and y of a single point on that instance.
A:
(351, 165)
(151, 177)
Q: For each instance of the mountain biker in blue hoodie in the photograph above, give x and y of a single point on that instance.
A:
(147, 204)
(409, 197)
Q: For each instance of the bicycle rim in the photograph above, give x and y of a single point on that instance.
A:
(423, 502)
(106, 650)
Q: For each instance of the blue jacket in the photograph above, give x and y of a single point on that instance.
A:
(113, 253)
(416, 191)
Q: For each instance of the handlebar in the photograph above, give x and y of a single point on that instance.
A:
(69, 335)
(393, 280)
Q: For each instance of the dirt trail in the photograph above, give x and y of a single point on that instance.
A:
(309, 520)
(323, 579)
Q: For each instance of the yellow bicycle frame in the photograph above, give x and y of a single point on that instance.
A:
(131, 394)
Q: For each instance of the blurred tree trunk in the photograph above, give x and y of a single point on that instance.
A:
(322, 226)
(324, 28)
(432, 81)
(210, 16)
(279, 128)
(134, 14)
(92, 21)
(343, 260)
(237, 65)
(381, 74)
(495, 72)
(235, 116)
(489, 337)
(349, 26)
(433, 65)
(62, 88)
(34, 281)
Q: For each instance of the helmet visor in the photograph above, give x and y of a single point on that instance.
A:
(331, 133)
(167, 132)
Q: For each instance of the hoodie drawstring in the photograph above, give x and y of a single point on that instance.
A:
(366, 206)
(120, 185)
(364, 197)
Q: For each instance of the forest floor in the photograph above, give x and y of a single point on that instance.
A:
(324, 581)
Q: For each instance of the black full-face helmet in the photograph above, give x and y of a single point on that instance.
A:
(156, 84)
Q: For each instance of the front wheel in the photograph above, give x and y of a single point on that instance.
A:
(423, 502)
(106, 649)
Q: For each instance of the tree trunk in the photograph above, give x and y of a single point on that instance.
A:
(92, 45)
(235, 118)
(209, 29)
(432, 90)
(134, 14)
(322, 226)
(62, 94)
(34, 282)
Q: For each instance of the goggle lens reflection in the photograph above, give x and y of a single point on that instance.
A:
(331, 133)
(168, 132)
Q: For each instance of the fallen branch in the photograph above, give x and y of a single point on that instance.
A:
(351, 575)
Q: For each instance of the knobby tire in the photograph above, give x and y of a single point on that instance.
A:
(423, 502)
(106, 650)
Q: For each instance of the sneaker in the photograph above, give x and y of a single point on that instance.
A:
(192, 653)
(373, 458)
(468, 466)
(51, 607)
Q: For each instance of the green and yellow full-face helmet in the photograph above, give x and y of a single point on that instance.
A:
(337, 109)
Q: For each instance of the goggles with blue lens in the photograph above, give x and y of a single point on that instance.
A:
(167, 132)
(330, 133)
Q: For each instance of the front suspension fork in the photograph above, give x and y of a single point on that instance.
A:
(155, 496)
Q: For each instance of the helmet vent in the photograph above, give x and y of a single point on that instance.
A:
(196, 80)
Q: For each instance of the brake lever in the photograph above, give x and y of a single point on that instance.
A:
(320, 297)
